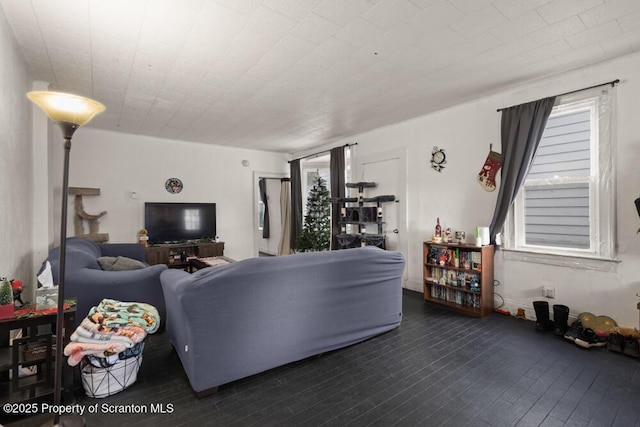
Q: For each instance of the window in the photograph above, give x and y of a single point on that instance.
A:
(565, 206)
(310, 169)
(260, 215)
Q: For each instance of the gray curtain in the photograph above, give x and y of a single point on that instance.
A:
(336, 174)
(521, 130)
(284, 246)
(296, 202)
(262, 183)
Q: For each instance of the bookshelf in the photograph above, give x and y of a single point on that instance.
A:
(459, 276)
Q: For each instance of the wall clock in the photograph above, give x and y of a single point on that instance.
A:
(173, 185)
(438, 159)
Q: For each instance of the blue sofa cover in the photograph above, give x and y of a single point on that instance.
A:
(236, 320)
(86, 281)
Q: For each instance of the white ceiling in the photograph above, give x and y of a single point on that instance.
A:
(286, 75)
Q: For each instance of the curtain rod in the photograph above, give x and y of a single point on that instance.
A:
(279, 179)
(320, 152)
(612, 83)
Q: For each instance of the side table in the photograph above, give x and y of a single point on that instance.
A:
(39, 386)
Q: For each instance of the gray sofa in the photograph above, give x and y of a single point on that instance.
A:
(236, 320)
(86, 281)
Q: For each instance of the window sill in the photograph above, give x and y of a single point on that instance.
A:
(572, 261)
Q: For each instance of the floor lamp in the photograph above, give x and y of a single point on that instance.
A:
(69, 112)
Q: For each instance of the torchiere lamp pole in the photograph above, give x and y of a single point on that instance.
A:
(69, 112)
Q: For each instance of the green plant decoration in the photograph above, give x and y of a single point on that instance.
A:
(6, 293)
(316, 232)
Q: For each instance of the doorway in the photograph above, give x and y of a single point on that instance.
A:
(388, 170)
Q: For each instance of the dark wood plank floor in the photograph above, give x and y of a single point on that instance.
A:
(438, 368)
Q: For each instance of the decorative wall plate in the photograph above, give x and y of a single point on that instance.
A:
(438, 159)
(173, 185)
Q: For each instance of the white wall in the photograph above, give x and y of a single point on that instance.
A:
(120, 163)
(465, 132)
(16, 180)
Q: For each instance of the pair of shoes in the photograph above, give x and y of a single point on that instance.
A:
(574, 331)
(631, 346)
(543, 323)
(588, 338)
(615, 342)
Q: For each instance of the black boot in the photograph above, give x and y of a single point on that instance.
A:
(560, 319)
(542, 316)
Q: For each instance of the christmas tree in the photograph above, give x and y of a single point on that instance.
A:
(316, 232)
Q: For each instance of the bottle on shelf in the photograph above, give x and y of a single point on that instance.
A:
(438, 228)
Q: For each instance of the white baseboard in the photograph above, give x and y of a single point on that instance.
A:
(413, 285)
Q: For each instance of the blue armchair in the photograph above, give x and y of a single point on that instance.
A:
(89, 284)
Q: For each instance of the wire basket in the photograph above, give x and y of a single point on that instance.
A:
(99, 382)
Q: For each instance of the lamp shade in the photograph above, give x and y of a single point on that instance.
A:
(66, 107)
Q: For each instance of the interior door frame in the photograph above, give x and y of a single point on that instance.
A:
(256, 195)
(401, 197)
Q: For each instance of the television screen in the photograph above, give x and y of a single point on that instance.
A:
(177, 222)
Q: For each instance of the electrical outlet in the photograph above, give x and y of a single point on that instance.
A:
(549, 292)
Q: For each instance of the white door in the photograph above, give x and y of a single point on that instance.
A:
(387, 170)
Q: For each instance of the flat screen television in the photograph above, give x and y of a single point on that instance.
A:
(179, 222)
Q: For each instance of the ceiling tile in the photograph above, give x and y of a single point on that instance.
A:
(500, 53)
(110, 76)
(629, 41)
(513, 8)
(470, 6)
(559, 30)
(18, 16)
(519, 26)
(294, 9)
(166, 23)
(475, 46)
(595, 34)
(266, 21)
(245, 51)
(389, 13)
(438, 39)
(246, 7)
(580, 55)
(315, 28)
(438, 15)
(479, 22)
(389, 43)
(342, 11)
(281, 57)
(30, 39)
(423, 4)
(105, 48)
(359, 32)
(66, 41)
(537, 55)
(125, 15)
(630, 22)
(556, 11)
(612, 9)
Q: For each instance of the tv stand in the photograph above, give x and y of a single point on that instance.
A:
(177, 255)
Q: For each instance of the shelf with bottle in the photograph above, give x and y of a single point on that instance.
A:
(455, 256)
(455, 278)
(459, 276)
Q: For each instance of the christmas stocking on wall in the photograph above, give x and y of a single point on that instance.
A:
(487, 176)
